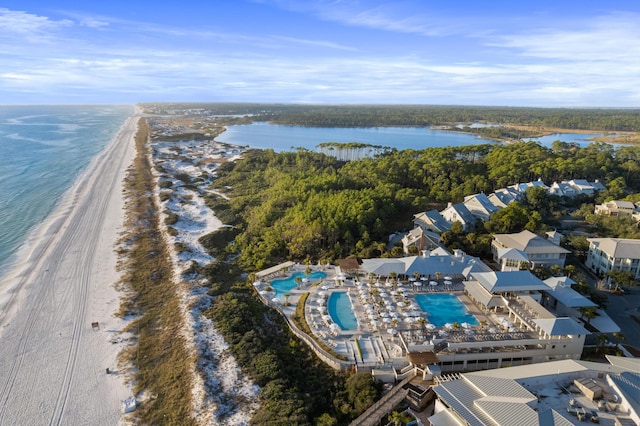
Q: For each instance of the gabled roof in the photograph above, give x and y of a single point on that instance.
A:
(621, 204)
(462, 212)
(560, 289)
(528, 242)
(512, 254)
(433, 219)
(429, 239)
(500, 282)
(618, 247)
(383, 266)
(483, 201)
(560, 326)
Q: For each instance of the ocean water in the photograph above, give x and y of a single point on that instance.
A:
(42, 151)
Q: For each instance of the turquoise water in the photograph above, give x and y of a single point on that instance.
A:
(443, 308)
(285, 285)
(42, 151)
(341, 311)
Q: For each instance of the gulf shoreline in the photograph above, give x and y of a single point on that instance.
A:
(53, 361)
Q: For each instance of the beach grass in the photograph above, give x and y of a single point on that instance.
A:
(159, 360)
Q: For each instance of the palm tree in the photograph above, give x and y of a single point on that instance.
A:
(569, 269)
(483, 324)
(456, 326)
(438, 275)
(619, 336)
(396, 418)
(286, 299)
(602, 340)
(298, 281)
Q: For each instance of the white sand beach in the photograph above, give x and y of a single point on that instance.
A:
(52, 363)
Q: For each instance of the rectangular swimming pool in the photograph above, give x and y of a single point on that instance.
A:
(442, 308)
(341, 311)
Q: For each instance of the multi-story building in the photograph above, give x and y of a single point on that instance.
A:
(539, 251)
(616, 208)
(607, 254)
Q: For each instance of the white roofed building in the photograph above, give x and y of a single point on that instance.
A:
(480, 206)
(607, 254)
(616, 208)
(459, 213)
(540, 396)
(539, 251)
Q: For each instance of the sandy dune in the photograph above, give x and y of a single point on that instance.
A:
(52, 364)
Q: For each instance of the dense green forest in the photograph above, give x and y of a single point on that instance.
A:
(304, 205)
(414, 115)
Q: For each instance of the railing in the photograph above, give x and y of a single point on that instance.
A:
(384, 405)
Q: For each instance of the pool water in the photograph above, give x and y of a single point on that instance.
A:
(443, 308)
(341, 311)
(285, 285)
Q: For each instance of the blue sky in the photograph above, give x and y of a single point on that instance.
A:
(519, 53)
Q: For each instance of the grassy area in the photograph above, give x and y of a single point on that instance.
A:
(159, 359)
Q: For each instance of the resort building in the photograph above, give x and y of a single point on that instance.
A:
(566, 392)
(459, 213)
(480, 206)
(608, 254)
(522, 187)
(616, 208)
(431, 220)
(539, 251)
(512, 259)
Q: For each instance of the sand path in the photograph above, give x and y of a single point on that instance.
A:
(52, 364)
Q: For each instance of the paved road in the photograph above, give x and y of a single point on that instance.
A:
(620, 308)
(52, 365)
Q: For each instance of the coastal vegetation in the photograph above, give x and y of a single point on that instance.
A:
(158, 359)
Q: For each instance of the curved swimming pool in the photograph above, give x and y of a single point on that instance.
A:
(443, 308)
(285, 285)
(341, 311)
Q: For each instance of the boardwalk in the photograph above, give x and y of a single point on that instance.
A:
(381, 408)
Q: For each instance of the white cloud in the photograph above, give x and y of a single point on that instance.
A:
(29, 26)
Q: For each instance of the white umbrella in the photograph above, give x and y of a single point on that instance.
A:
(263, 292)
(448, 278)
(447, 282)
(448, 326)
(465, 325)
(275, 300)
(386, 320)
(392, 331)
(433, 283)
(373, 317)
(430, 326)
(322, 293)
(375, 323)
(442, 333)
(334, 326)
(384, 314)
(321, 308)
(368, 306)
(410, 320)
(418, 284)
(383, 294)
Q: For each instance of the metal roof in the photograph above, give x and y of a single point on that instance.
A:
(560, 326)
(618, 247)
(528, 242)
(561, 291)
(499, 282)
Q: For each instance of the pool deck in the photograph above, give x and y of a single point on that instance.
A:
(379, 341)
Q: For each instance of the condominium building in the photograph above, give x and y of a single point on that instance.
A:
(607, 254)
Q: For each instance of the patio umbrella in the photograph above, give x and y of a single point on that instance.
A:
(375, 323)
(275, 300)
(386, 320)
(448, 278)
(410, 320)
(465, 325)
(385, 314)
(447, 282)
(448, 326)
(392, 331)
(430, 327)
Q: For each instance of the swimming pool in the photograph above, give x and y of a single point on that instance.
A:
(443, 308)
(285, 285)
(341, 311)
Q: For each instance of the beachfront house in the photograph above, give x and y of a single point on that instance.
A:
(608, 254)
(539, 251)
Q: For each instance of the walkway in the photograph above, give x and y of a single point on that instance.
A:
(384, 406)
